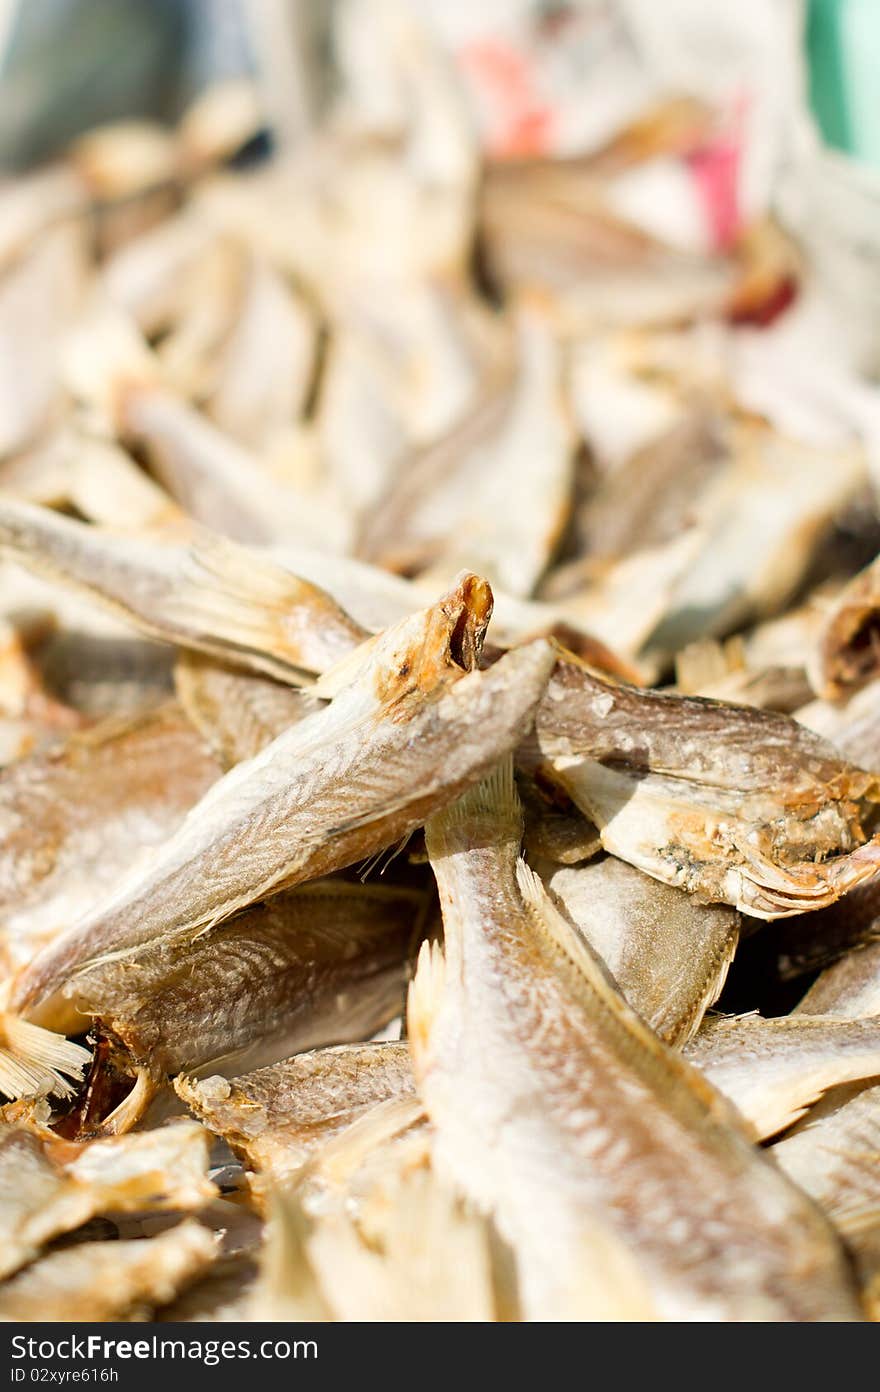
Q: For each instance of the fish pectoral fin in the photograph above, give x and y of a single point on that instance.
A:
(36, 1062)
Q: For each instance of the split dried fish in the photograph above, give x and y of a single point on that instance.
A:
(50, 1190)
(277, 1117)
(737, 805)
(600, 1127)
(412, 725)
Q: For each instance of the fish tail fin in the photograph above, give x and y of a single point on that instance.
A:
(35, 1062)
(423, 1001)
(249, 601)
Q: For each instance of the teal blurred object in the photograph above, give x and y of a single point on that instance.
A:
(69, 65)
(843, 49)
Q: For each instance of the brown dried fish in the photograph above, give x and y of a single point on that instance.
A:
(737, 805)
(411, 726)
(322, 964)
(278, 1117)
(668, 954)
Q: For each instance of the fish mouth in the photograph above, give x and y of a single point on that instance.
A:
(113, 1097)
(853, 654)
(469, 606)
(447, 643)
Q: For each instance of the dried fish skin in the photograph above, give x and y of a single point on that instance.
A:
(322, 964)
(849, 988)
(413, 727)
(737, 805)
(237, 713)
(278, 1117)
(832, 1153)
(51, 1189)
(845, 657)
(600, 1125)
(668, 954)
(73, 818)
(773, 1070)
(210, 594)
(109, 1280)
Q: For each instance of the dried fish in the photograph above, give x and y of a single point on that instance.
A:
(412, 725)
(209, 593)
(774, 1070)
(548, 225)
(51, 1189)
(737, 805)
(76, 817)
(256, 393)
(668, 954)
(832, 1153)
(504, 505)
(324, 963)
(109, 1280)
(238, 713)
(846, 653)
(599, 1126)
(278, 1117)
(849, 988)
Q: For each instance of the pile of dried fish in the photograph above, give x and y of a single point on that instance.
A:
(440, 713)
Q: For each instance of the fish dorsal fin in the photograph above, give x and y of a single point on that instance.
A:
(493, 801)
(596, 978)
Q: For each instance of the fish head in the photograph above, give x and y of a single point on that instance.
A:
(437, 645)
(421, 654)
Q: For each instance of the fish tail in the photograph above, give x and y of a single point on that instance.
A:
(35, 1062)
